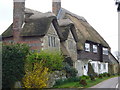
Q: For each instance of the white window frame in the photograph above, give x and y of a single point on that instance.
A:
(87, 47)
(95, 49)
(105, 51)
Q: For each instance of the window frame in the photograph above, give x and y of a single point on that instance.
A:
(105, 51)
(51, 41)
(87, 47)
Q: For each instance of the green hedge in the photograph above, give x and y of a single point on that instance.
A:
(13, 63)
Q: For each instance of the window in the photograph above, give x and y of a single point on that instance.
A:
(93, 65)
(99, 66)
(105, 51)
(95, 48)
(104, 66)
(87, 47)
(51, 41)
(70, 44)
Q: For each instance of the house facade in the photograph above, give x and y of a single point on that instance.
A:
(59, 30)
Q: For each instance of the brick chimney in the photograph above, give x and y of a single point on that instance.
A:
(56, 5)
(18, 18)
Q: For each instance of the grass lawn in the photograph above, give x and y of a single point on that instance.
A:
(77, 85)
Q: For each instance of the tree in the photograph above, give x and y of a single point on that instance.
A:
(13, 63)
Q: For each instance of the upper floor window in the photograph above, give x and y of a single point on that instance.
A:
(51, 41)
(99, 66)
(70, 44)
(87, 47)
(95, 48)
(105, 51)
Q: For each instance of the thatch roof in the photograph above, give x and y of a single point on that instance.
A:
(36, 25)
(112, 59)
(85, 31)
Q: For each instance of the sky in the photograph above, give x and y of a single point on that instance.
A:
(101, 15)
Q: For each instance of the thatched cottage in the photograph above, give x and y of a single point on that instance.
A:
(59, 30)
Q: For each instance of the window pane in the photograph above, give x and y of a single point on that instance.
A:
(87, 47)
(105, 51)
(95, 48)
(104, 66)
(51, 41)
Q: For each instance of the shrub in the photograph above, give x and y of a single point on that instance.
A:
(69, 61)
(90, 70)
(70, 71)
(37, 78)
(100, 76)
(83, 82)
(61, 81)
(104, 74)
(92, 77)
(84, 77)
(52, 60)
(13, 63)
(108, 74)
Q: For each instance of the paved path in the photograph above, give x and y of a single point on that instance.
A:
(110, 83)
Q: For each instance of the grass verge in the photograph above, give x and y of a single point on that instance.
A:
(89, 83)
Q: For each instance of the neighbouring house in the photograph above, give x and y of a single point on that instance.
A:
(39, 30)
(113, 66)
(59, 30)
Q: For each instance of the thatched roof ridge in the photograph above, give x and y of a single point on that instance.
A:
(65, 22)
(64, 11)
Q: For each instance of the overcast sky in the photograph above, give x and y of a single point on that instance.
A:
(101, 14)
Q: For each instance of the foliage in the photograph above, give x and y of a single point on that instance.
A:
(71, 72)
(37, 78)
(63, 81)
(83, 82)
(78, 85)
(52, 60)
(69, 61)
(91, 70)
(84, 77)
(92, 77)
(108, 74)
(105, 74)
(100, 76)
(13, 63)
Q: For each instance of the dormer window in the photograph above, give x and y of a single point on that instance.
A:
(87, 47)
(95, 48)
(105, 51)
